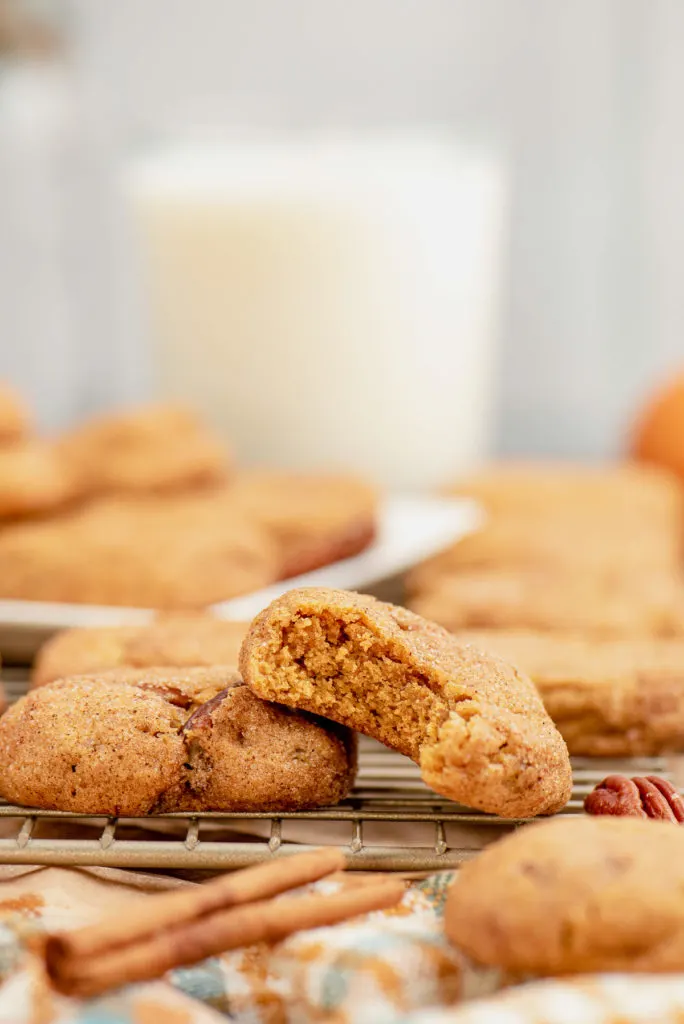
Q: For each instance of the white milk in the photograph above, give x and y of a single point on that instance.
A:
(328, 303)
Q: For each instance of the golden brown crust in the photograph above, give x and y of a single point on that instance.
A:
(134, 741)
(609, 698)
(176, 640)
(314, 520)
(152, 448)
(184, 552)
(15, 421)
(574, 895)
(475, 725)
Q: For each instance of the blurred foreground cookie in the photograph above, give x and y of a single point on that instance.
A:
(609, 698)
(155, 447)
(556, 603)
(33, 480)
(574, 895)
(314, 520)
(14, 417)
(476, 726)
(174, 553)
(132, 742)
(176, 640)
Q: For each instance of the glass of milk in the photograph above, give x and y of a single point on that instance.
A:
(328, 302)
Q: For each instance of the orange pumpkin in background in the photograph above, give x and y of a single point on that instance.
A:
(659, 433)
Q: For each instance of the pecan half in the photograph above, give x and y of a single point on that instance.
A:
(639, 797)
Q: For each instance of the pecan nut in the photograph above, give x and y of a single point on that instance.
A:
(639, 797)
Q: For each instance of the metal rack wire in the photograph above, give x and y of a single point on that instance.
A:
(426, 832)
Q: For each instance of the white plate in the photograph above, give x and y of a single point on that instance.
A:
(410, 529)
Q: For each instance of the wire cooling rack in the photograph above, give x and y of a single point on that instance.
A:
(391, 822)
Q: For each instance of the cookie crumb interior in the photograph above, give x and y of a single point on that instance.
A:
(342, 669)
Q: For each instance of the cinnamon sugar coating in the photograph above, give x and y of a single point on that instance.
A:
(476, 726)
(133, 741)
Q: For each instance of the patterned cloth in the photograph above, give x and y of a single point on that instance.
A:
(377, 969)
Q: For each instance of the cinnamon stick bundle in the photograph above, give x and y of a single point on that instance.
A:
(181, 928)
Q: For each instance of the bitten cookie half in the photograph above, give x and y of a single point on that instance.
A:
(179, 640)
(475, 725)
(574, 895)
(135, 742)
(609, 698)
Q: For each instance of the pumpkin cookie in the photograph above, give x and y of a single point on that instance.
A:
(132, 742)
(175, 553)
(33, 480)
(314, 520)
(476, 726)
(153, 448)
(609, 698)
(574, 895)
(555, 603)
(620, 491)
(176, 640)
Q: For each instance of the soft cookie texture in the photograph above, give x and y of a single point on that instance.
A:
(152, 448)
(177, 640)
(132, 742)
(15, 421)
(475, 725)
(572, 896)
(609, 698)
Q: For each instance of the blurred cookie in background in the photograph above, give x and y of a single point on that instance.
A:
(619, 490)
(34, 480)
(314, 520)
(609, 698)
(554, 602)
(151, 448)
(177, 640)
(152, 552)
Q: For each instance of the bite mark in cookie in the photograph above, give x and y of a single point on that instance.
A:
(476, 726)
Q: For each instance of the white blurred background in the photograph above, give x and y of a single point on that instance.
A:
(582, 100)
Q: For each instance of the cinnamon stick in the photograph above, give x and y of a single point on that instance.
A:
(187, 942)
(172, 909)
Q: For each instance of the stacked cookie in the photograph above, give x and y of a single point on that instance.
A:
(156, 718)
(145, 508)
(575, 576)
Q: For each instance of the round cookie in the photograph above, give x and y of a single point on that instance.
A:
(476, 726)
(175, 640)
(175, 553)
(132, 742)
(155, 447)
(574, 895)
(33, 479)
(609, 698)
(314, 520)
